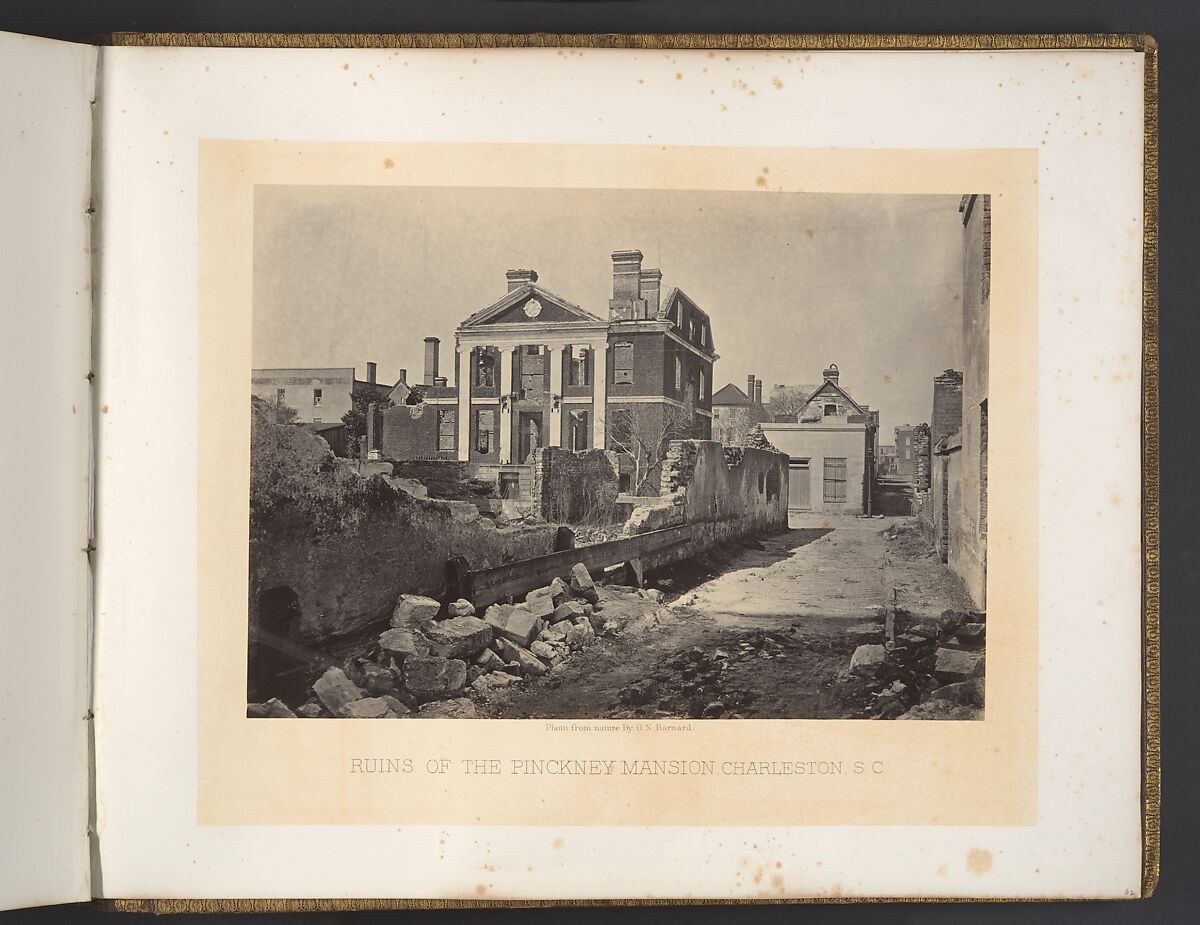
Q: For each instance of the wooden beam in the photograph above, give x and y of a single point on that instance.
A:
(515, 579)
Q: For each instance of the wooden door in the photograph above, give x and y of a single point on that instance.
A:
(799, 486)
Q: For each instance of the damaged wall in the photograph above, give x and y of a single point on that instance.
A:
(345, 547)
(734, 492)
(575, 488)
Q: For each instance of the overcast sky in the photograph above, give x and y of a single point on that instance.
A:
(792, 281)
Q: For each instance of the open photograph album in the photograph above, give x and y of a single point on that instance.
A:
(486, 468)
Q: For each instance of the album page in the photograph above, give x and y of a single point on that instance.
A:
(46, 90)
(577, 473)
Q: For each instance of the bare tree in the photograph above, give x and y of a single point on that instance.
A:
(643, 432)
(788, 401)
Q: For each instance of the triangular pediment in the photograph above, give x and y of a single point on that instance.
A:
(531, 305)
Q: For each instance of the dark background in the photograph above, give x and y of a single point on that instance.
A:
(1176, 25)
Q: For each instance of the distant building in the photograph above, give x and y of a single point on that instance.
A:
(906, 457)
(735, 412)
(322, 396)
(831, 440)
(885, 461)
(318, 395)
(534, 369)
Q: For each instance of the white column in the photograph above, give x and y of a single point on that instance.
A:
(506, 389)
(464, 404)
(599, 393)
(555, 356)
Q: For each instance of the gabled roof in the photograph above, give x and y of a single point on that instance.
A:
(830, 386)
(730, 395)
(381, 389)
(528, 291)
(668, 301)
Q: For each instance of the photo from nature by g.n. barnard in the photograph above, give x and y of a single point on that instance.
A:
(613, 453)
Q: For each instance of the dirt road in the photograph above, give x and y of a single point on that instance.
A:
(768, 634)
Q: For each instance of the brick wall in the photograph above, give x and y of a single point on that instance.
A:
(575, 488)
(947, 406)
(411, 432)
(921, 449)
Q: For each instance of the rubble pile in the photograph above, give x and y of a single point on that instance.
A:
(925, 669)
(697, 684)
(440, 662)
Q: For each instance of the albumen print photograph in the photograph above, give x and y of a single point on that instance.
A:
(601, 453)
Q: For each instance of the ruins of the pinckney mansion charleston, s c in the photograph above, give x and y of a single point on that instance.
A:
(534, 369)
(565, 521)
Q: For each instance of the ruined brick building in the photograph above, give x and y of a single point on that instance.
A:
(534, 369)
(832, 441)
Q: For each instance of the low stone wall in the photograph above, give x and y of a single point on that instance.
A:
(729, 492)
(575, 488)
(330, 550)
(349, 579)
(447, 479)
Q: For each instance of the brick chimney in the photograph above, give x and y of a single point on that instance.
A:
(626, 303)
(758, 391)
(831, 373)
(431, 359)
(750, 386)
(650, 282)
(518, 278)
(403, 377)
(371, 373)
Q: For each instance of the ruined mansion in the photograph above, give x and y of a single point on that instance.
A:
(534, 370)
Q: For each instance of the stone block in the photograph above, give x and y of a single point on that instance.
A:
(867, 659)
(396, 709)
(540, 603)
(516, 624)
(966, 693)
(568, 610)
(310, 711)
(530, 663)
(942, 709)
(401, 644)
(559, 591)
(272, 709)
(546, 652)
(459, 708)
(580, 637)
(580, 580)
(461, 608)
(377, 679)
(952, 665)
(555, 632)
(488, 660)
(458, 637)
(431, 677)
(335, 690)
(971, 634)
(367, 708)
(413, 611)
(508, 651)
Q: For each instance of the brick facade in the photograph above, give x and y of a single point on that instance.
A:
(533, 370)
(947, 406)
